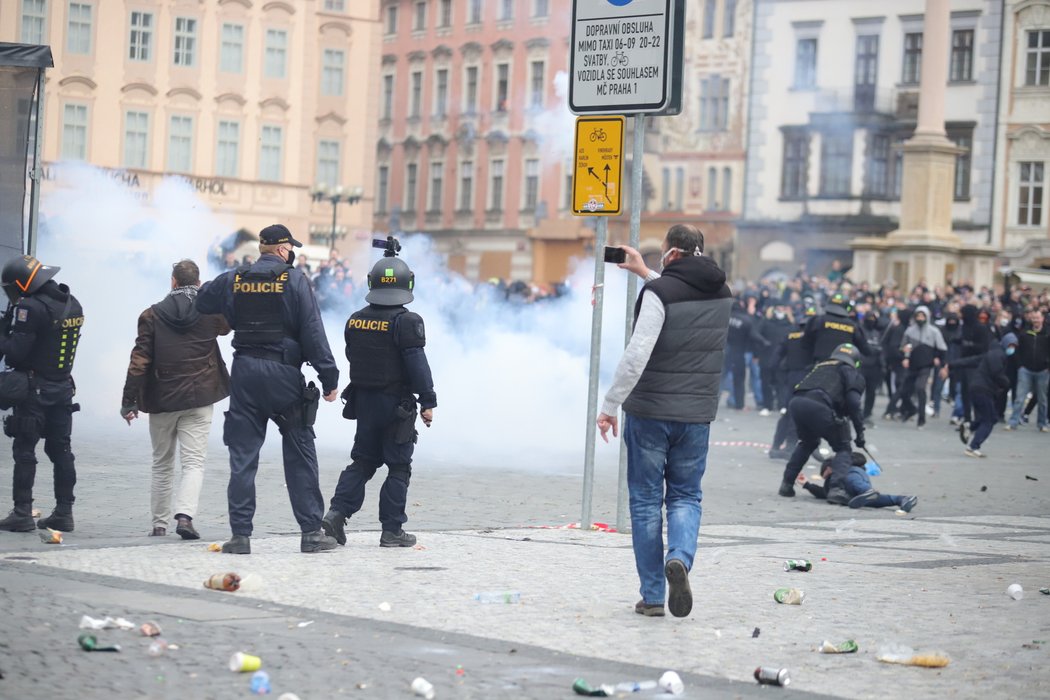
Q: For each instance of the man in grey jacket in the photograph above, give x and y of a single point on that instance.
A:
(924, 350)
(668, 384)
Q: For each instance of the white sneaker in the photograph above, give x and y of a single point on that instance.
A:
(764, 412)
(970, 452)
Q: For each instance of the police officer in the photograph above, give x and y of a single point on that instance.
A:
(792, 359)
(826, 332)
(743, 338)
(277, 326)
(388, 371)
(41, 340)
(829, 394)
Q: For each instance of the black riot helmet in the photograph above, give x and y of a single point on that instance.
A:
(847, 354)
(24, 275)
(390, 283)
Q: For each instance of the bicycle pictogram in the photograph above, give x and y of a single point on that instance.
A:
(618, 59)
(598, 135)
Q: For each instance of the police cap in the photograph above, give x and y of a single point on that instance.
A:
(276, 234)
(390, 283)
(847, 354)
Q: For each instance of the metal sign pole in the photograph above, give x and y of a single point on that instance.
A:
(592, 387)
(622, 506)
(35, 173)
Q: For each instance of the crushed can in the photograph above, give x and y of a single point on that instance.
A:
(767, 675)
(798, 565)
(847, 647)
(789, 596)
(223, 582)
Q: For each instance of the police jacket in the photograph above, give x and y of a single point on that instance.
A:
(791, 355)
(743, 332)
(680, 381)
(837, 385)
(45, 332)
(385, 347)
(176, 364)
(827, 332)
(274, 314)
(869, 328)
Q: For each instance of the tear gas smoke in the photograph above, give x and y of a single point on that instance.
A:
(511, 380)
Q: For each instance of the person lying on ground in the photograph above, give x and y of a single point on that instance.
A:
(858, 486)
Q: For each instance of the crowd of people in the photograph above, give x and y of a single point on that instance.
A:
(978, 356)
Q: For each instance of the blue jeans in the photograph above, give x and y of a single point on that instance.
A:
(665, 463)
(857, 482)
(1036, 382)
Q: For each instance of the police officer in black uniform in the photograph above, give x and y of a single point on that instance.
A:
(388, 371)
(277, 326)
(826, 332)
(829, 394)
(793, 360)
(40, 339)
(743, 338)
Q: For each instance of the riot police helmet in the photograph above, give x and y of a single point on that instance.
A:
(25, 275)
(809, 312)
(390, 283)
(847, 354)
(840, 304)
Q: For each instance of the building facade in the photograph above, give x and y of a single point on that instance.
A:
(474, 138)
(834, 94)
(1020, 221)
(253, 103)
(696, 166)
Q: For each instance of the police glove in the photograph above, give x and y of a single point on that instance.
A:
(859, 442)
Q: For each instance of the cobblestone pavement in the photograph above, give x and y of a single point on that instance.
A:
(934, 580)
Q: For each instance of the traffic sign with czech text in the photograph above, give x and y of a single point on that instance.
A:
(624, 59)
(598, 166)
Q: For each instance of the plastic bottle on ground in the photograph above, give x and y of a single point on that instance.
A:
(498, 597)
(1015, 591)
(260, 683)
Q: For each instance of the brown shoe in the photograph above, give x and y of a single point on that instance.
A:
(643, 608)
(159, 532)
(185, 529)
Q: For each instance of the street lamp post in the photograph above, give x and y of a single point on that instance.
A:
(335, 195)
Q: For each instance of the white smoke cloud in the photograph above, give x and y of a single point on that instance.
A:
(511, 380)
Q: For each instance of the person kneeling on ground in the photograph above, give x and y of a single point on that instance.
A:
(858, 486)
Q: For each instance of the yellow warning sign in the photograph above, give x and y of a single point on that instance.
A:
(598, 166)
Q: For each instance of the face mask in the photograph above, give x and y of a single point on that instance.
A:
(291, 257)
(663, 258)
(1004, 322)
(1010, 350)
(869, 321)
(920, 322)
(779, 315)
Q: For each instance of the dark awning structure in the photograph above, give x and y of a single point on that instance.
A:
(21, 90)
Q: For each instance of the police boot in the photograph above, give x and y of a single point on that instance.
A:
(787, 489)
(237, 544)
(19, 520)
(396, 539)
(332, 523)
(316, 542)
(61, 519)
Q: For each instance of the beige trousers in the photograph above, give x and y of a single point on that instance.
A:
(189, 430)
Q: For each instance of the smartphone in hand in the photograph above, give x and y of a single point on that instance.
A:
(615, 255)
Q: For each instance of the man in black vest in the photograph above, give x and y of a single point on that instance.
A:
(277, 326)
(668, 384)
(176, 374)
(41, 340)
(829, 394)
(389, 375)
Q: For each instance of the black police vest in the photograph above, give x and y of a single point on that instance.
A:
(826, 376)
(258, 305)
(371, 346)
(796, 358)
(831, 332)
(56, 346)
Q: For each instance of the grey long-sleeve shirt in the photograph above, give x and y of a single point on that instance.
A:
(639, 349)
